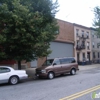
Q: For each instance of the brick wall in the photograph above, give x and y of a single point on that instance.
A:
(66, 32)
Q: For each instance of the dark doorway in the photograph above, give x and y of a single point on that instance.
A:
(78, 57)
(88, 55)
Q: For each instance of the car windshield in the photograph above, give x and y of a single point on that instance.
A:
(48, 62)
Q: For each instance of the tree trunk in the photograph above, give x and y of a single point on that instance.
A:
(19, 65)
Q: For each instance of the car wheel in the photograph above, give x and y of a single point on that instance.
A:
(50, 75)
(73, 72)
(14, 80)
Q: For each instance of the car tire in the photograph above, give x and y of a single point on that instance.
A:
(73, 72)
(51, 75)
(14, 80)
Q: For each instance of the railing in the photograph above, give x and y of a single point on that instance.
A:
(80, 47)
(83, 36)
(83, 46)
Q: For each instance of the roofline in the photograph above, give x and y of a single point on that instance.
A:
(81, 26)
(69, 42)
(64, 21)
(75, 24)
(93, 28)
(60, 58)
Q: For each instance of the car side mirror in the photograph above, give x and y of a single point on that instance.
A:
(54, 64)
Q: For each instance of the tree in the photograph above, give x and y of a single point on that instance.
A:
(96, 22)
(28, 28)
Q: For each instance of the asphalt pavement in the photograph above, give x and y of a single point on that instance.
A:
(56, 89)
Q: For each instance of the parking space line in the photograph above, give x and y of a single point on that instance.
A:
(79, 94)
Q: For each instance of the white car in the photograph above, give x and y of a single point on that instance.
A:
(9, 75)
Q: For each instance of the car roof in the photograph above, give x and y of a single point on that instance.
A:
(61, 58)
(6, 66)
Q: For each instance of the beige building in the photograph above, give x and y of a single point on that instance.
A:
(95, 42)
(82, 47)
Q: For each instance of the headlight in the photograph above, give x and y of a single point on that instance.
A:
(43, 71)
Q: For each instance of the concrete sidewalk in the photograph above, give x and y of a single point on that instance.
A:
(86, 67)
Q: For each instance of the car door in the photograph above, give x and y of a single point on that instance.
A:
(4, 75)
(57, 66)
(66, 65)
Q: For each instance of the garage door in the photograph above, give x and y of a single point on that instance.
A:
(60, 50)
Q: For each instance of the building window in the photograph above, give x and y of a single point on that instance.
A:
(87, 34)
(78, 57)
(98, 54)
(97, 46)
(92, 34)
(83, 44)
(93, 54)
(77, 42)
(77, 32)
(82, 33)
(93, 44)
(84, 57)
(97, 36)
(88, 45)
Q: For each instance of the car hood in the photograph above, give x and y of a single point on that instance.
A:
(42, 67)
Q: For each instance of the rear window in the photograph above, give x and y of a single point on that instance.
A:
(73, 60)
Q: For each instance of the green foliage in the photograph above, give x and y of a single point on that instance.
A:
(27, 28)
(97, 19)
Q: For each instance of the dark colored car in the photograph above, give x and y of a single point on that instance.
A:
(57, 66)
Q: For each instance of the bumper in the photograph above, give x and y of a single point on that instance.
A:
(44, 75)
(23, 77)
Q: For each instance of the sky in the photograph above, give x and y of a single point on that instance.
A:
(77, 11)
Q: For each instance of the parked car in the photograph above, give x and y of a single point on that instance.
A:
(57, 66)
(9, 75)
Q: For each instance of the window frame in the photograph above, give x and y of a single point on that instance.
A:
(77, 32)
(56, 63)
(4, 71)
